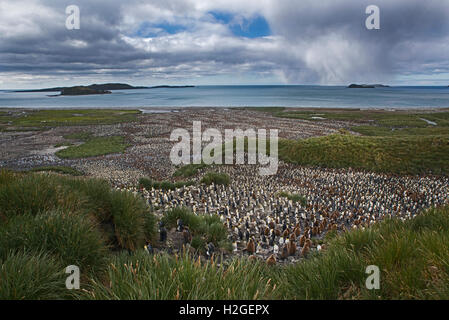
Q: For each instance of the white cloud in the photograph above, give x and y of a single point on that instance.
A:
(312, 42)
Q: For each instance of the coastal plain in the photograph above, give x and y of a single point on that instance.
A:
(340, 172)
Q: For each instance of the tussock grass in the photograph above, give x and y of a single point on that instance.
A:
(183, 278)
(208, 227)
(189, 170)
(393, 142)
(40, 237)
(412, 256)
(293, 197)
(128, 215)
(58, 169)
(403, 155)
(216, 178)
(69, 237)
(26, 276)
(34, 193)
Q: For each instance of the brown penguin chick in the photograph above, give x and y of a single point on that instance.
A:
(292, 237)
(277, 232)
(286, 233)
(305, 250)
(302, 240)
(250, 247)
(272, 224)
(314, 231)
(187, 235)
(284, 253)
(306, 230)
(291, 248)
(252, 258)
(297, 231)
(271, 261)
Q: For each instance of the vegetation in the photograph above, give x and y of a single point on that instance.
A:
(293, 197)
(184, 277)
(189, 170)
(42, 119)
(56, 220)
(405, 154)
(163, 185)
(49, 222)
(208, 227)
(411, 255)
(93, 147)
(59, 169)
(393, 141)
(32, 276)
(216, 178)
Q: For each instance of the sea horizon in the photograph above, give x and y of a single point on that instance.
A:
(295, 96)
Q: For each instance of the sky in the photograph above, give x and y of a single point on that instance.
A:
(223, 42)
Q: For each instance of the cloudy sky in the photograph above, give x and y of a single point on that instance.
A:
(223, 42)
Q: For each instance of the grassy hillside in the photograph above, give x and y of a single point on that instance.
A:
(403, 154)
(50, 221)
(405, 142)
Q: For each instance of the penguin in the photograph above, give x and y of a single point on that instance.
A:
(284, 253)
(305, 250)
(271, 261)
(162, 234)
(149, 248)
(291, 248)
(250, 247)
(210, 249)
(187, 235)
(302, 240)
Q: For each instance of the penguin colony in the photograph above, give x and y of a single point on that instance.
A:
(265, 226)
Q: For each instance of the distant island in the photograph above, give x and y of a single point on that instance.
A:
(97, 89)
(367, 86)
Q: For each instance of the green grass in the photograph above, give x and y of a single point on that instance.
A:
(405, 154)
(26, 276)
(50, 221)
(56, 221)
(183, 278)
(216, 178)
(398, 119)
(58, 169)
(294, 197)
(71, 238)
(392, 141)
(41, 119)
(208, 227)
(93, 147)
(411, 255)
(189, 170)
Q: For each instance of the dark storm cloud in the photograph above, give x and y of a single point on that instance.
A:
(311, 41)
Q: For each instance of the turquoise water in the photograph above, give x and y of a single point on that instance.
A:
(236, 96)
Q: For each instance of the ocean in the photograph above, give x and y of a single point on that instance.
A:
(239, 96)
